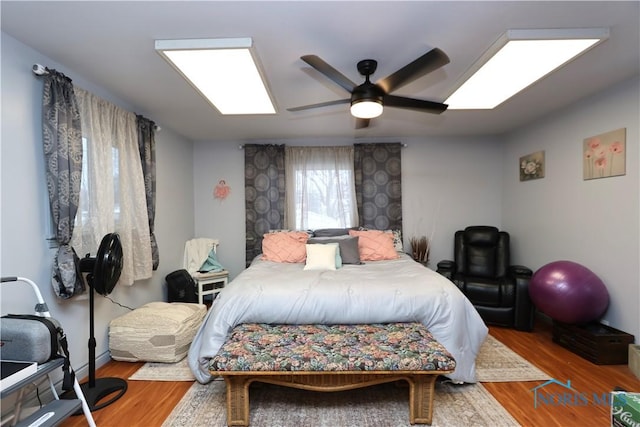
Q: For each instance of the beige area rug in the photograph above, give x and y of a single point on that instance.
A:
(498, 363)
(157, 371)
(385, 405)
(495, 363)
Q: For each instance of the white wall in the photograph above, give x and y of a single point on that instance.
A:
(174, 223)
(24, 210)
(562, 217)
(448, 183)
(221, 219)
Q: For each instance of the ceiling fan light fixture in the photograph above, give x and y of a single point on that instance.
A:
(518, 59)
(366, 108)
(368, 99)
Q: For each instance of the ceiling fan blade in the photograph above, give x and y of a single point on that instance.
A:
(329, 71)
(321, 104)
(427, 63)
(362, 123)
(414, 104)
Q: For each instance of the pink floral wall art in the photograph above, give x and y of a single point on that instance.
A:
(604, 155)
(222, 190)
(532, 166)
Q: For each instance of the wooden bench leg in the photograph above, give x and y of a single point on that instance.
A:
(237, 400)
(421, 393)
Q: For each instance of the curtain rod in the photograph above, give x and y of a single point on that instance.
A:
(40, 70)
(241, 146)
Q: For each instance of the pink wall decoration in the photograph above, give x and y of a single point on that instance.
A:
(222, 190)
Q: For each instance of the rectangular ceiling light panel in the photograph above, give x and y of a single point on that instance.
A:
(517, 60)
(223, 71)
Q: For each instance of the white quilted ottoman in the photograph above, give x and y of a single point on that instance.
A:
(155, 332)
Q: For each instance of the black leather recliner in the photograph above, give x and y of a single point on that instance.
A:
(481, 269)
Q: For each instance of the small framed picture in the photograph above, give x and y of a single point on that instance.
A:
(604, 155)
(532, 166)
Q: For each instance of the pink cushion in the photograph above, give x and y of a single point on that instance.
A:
(375, 245)
(285, 246)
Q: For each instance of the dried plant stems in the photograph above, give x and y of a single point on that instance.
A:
(420, 249)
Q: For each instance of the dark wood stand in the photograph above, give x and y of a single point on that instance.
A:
(598, 343)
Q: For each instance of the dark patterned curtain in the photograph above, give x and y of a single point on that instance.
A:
(147, 147)
(264, 189)
(378, 177)
(62, 142)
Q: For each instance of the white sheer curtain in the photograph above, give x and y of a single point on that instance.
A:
(112, 195)
(320, 187)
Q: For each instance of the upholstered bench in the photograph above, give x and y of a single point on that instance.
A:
(331, 358)
(155, 332)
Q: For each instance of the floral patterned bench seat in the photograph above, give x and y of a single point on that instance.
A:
(331, 358)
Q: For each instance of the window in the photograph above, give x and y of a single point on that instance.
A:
(320, 187)
(112, 194)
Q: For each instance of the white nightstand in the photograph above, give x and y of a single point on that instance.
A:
(210, 283)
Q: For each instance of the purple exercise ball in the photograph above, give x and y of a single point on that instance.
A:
(568, 292)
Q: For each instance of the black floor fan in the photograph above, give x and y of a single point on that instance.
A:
(103, 273)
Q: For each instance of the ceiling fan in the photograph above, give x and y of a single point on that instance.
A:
(368, 99)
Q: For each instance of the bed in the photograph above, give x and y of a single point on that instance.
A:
(384, 291)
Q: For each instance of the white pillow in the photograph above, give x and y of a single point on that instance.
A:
(397, 240)
(321, 257)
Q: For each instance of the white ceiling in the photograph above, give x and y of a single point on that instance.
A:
(111, 44)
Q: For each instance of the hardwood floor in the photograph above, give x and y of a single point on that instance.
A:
(148, 403)
(586, 378)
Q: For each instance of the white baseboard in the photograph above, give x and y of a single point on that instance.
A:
(83, 371)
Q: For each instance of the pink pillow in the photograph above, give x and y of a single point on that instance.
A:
(285, 246)
(375, 245)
